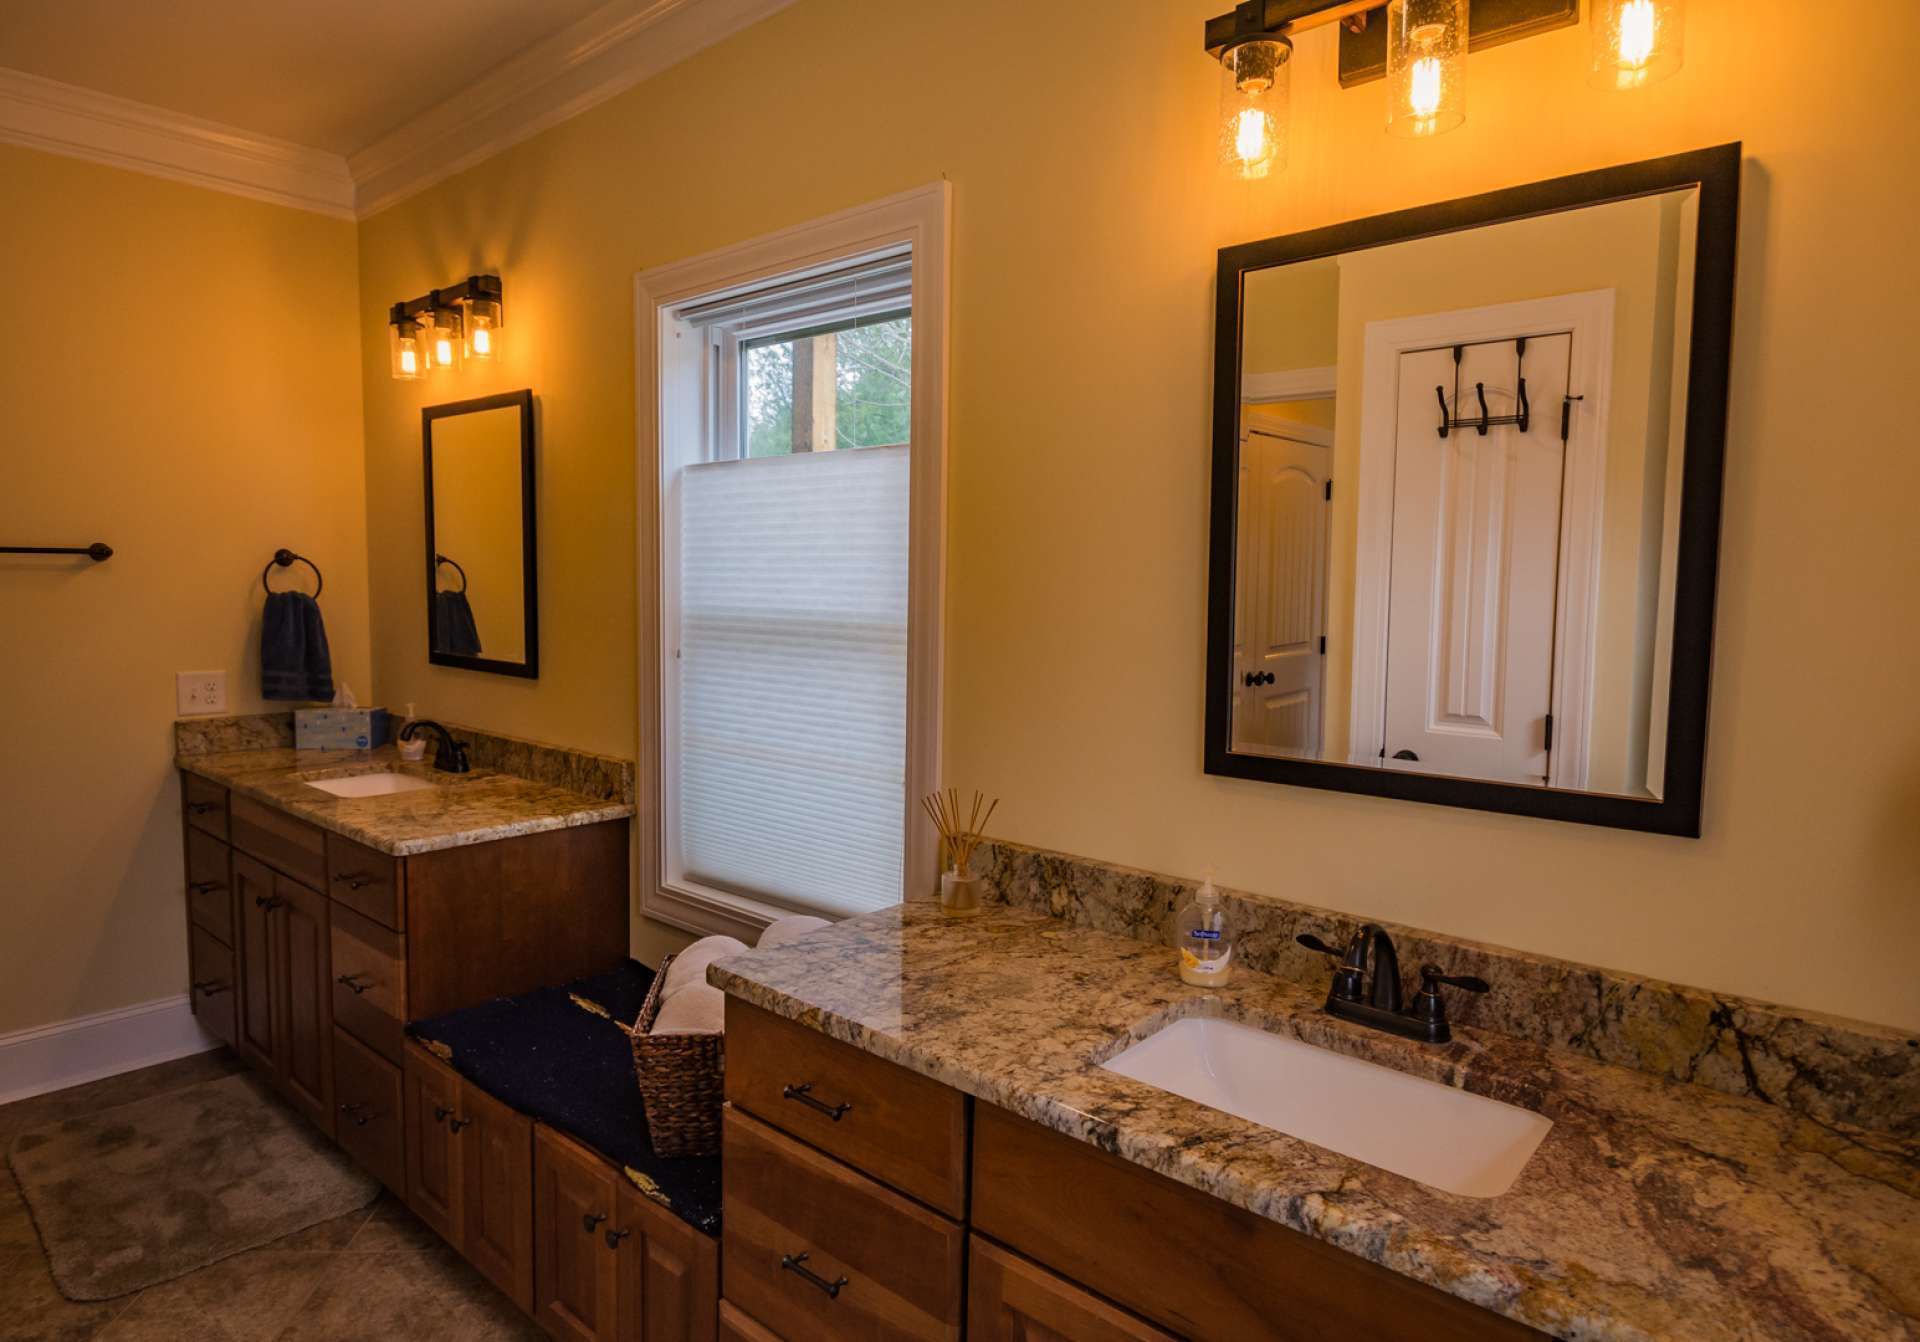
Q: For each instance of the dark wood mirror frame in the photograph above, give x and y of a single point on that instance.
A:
(1716, 173)
(529, 668)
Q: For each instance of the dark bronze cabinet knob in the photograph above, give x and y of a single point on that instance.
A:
(591, 1221)
(615, 1236)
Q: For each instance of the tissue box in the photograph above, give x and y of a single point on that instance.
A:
(339, 728)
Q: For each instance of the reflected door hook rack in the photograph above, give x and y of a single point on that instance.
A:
(1520, 419)
(97, 552)
(287, 559)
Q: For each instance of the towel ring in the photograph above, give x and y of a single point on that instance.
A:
(454, 564)
(287, 559)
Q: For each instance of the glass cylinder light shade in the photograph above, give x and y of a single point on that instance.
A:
(1426, 66)
(407, 349)
(481, 326)
(1254, 84)
(445, 343)
(1637, 42)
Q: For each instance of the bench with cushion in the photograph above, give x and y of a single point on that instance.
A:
(527, 1148)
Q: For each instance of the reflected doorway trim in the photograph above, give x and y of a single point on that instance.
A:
(1294, 384)
(1588, 317)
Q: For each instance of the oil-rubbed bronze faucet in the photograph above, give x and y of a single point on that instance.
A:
(449, 756)
(1378, 1003)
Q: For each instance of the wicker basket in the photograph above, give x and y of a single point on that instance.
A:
(680, 1080)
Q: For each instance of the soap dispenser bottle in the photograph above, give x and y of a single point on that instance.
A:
(1203, 935)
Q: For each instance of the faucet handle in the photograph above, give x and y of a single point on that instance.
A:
(1431, 976)
(1313, 943)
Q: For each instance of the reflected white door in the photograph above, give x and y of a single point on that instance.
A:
(1476, 547)
(1282, 577)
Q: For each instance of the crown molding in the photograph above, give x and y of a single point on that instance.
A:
(80, 123)
(594, 59)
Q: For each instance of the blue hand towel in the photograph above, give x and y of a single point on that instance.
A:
(453, 621)
(294, 662)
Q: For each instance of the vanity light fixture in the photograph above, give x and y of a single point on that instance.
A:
(441, 329)
(1637, 42)
(1419, 47)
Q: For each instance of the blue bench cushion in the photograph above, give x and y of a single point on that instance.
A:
(555, 1054)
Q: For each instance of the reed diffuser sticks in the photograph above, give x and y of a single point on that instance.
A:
(960, 839)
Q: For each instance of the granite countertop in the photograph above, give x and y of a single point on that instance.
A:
(1653, 1209)
(461, 809)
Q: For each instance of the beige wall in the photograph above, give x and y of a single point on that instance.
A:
(179, 377)
(1086, 220)
(1291, 317)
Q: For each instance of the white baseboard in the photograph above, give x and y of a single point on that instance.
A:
(87, 1048)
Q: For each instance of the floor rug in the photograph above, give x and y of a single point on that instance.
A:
(153, 1190)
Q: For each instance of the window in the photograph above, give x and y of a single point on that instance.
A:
(795, 726)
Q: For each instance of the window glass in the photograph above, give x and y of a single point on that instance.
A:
(828, 391)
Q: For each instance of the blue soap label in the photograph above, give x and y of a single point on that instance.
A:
(1204, 934)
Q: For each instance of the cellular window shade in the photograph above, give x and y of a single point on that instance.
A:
(793, 676)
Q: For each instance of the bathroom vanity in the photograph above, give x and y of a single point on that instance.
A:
(926, 1136)
(319, 924)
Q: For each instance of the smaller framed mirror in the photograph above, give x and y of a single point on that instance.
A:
(483, 603)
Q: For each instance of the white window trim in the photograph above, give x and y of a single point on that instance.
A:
(922, 219)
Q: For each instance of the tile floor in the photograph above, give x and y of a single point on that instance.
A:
(376, 1274)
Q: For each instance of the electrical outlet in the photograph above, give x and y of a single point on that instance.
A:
(201, 692)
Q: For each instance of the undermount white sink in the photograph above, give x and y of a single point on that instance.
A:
(1446, 1138)
(370, 785)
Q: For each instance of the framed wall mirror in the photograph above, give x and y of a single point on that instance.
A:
(482, 591)
(1466, 497)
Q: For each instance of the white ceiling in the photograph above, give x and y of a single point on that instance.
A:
(335, 75)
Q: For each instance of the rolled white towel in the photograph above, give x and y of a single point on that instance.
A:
(699, 1009)
(791, 928)
(690, 966)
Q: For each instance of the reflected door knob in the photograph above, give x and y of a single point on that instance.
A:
(1253, 678)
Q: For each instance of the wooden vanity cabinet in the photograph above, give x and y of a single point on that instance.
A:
(286, 990)
(1010, 1299)
(576, 1274)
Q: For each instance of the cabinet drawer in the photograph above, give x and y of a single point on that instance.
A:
(209, 884)
(369, 982)
(277, 839)
(1128, 1232)
(210, 966)
(366, 881)
(898, 1126)
(736, 1326)
(205, 804)
(368, 1103)
(1012, 1300)
(828, 1252)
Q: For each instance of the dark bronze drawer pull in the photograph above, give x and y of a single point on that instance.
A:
(361, 1114)
(615, 1236)
(591, 1221)
(268, 902)
(202, 807)
(353, 981)
(353, 880)
(804, 1094)
(203, 887)
(455, 1124)
(795, 1263)
(211, 988)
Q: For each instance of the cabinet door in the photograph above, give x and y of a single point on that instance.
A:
(1012, 1300)
(370, 1110)
(305, 996)
(669, 1274)
(575, 1277)
(496, 1162)
(259, 1037)
(210, 969)
(435, 1191)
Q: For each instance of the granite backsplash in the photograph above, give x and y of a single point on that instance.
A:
(1828, 1068)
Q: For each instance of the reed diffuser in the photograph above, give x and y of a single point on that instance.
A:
(961, 832)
